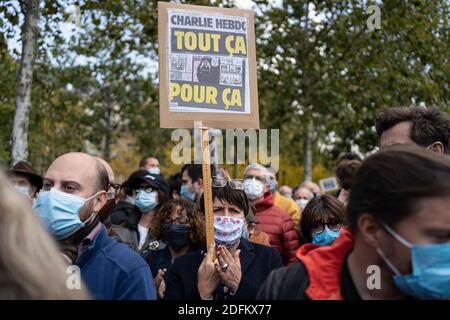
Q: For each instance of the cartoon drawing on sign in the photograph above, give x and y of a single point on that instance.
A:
(205, 71)
(215, 54)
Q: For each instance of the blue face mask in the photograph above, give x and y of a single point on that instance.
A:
(59, 211)
(184, 193)
(326, 237)
(23, 190)
(146, 201)
(430, 277)
(273, 185)
(154, 170)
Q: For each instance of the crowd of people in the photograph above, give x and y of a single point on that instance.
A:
(144, 238)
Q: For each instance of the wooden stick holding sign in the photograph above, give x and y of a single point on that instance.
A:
(207, 186)
(207, 73)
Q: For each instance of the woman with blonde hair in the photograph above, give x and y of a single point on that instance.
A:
(31, 266)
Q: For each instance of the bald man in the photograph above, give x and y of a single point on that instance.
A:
(73, 192)
(285, 191)
(108, 168)
(302, 196)
(313, 187)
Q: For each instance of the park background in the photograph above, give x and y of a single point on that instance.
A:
(323, 75)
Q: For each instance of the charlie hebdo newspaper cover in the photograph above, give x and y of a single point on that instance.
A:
(208, 62)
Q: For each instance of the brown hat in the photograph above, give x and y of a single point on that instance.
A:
(23, 168)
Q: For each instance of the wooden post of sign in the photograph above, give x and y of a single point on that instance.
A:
(207, 186)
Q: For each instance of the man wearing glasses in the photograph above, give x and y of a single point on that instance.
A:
(111, 194)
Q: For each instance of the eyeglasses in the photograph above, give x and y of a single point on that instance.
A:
(115, 186)
(260, 179)
(219, 182)
(145, 189)
(332, 225)
(181, 221)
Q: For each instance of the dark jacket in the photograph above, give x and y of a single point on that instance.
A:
(257, 261)
(280, 228)
(112, 271)
(125, 219)
(320, 273)
(161, 259)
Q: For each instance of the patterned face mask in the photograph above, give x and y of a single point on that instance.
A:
(227, 230)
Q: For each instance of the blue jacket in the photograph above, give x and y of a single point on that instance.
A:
(257, 261)
(112, 271)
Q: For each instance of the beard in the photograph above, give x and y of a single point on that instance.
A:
(106, 210)
(69, 246)
(87, 211)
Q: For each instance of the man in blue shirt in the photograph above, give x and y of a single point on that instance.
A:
(74, 190)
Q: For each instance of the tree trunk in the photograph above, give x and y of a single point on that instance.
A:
(307, 136)
(19, 137)
(107, 134)
(307, 152)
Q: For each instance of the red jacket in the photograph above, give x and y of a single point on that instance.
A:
(324, 265)
(280, 228)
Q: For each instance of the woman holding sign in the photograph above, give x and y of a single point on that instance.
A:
(240, 267)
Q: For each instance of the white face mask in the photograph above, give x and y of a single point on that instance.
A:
(302, 203)
(253, 188)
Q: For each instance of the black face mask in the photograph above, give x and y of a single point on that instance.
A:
(176, 236)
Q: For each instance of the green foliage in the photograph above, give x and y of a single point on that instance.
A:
(8, 71)
(337, 73)
(97, 91)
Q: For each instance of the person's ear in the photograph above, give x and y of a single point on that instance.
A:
(370, 230)
(200, 184)
(33, 190)
(100, 201)
(436, 147)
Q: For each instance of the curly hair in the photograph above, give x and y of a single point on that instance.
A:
(196, 237)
